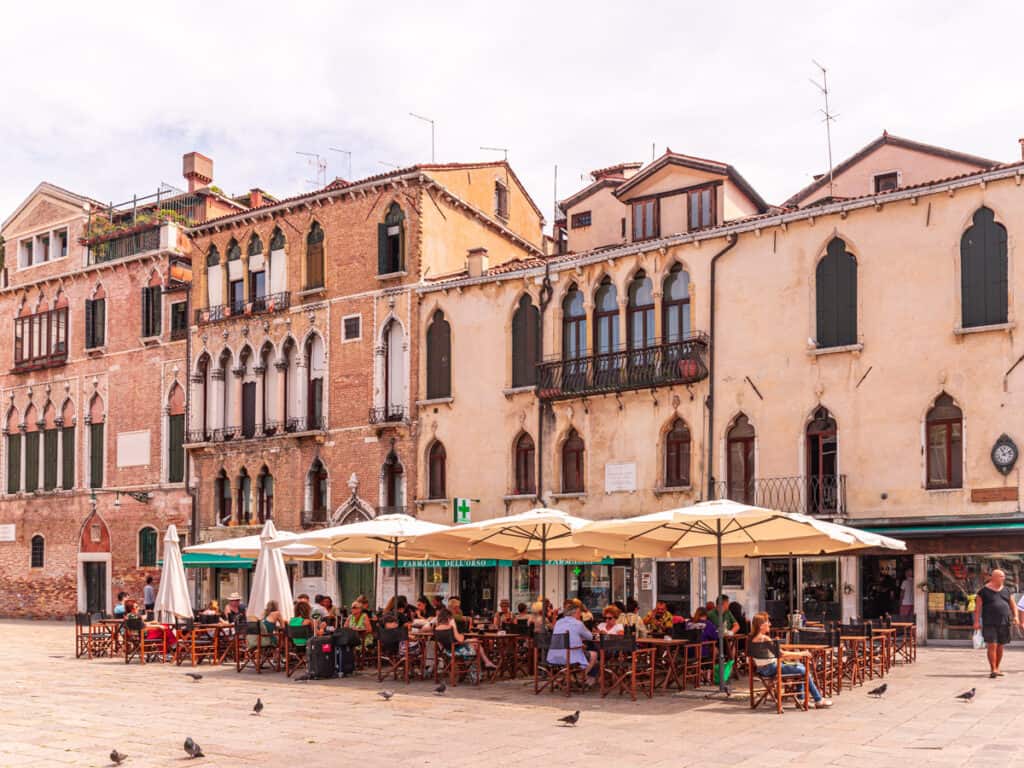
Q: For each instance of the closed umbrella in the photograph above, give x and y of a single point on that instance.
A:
(270, 581)
(172, 601)
(728, 528)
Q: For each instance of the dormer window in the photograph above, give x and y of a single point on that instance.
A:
(886, 182)
(500, 200)
(702, 207)
(645, 219)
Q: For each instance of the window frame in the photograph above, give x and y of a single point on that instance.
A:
(345, 338)
(650, 218)
(152, 311)
(437, 471)
(695, 204)
(316, 259)
(835, 301)
(573, 450)
(953, 458)
(880, 178)
(41, 339)
(574, 326)
(975, 259)
(525, 342)
(677, 472)
(502, 202)
(96, 323)
(439, 356)
(140, 551)
(645, 313)
(40, 550)
(525, 477)
(581, 220)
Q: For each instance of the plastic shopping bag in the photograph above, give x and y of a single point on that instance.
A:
(978, 640)
(727, 670)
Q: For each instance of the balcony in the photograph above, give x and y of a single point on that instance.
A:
(52, 360)
(388, 414)
(661, 364)
(121, 245)
(291, 426)
(262, 305)
(818, 496)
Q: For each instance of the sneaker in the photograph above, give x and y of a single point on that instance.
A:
(993, 675)
(823, 704)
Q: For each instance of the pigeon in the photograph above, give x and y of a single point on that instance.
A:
(570, 719)
(439, 691)
(386, 695)
(879, 691)
(116, 757)
(192, 749)
(967, 696)
(258, 706)
(195, 676)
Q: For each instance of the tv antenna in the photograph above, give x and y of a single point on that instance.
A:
(829, 118)
(349, 156)
(427, 120)
(497, 149)
(389, 165)
(321, 169)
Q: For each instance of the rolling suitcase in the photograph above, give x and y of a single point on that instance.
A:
(321, 659)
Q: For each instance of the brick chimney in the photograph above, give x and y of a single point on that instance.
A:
(197, 170)
(255, 197)
(476, 262)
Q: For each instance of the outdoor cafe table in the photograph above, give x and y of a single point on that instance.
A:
(116, 629)
(502, 648)
(823, 667)
(906, 643)
(668, 649)
(888, 635)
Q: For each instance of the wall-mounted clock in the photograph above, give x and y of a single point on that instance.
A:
(1004, 454)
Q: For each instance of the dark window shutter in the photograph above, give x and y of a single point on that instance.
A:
(100, 332)
(67, 447)
(176, 455)
(146, 312)
(96, 455)
(846, 299)
(439, 354)
(156, 307)
(836, 297)
(983, 271)
(525, 327)
(90, 342)
(147, 548)
(31, 461)
(382, 249)
(13, 462)
(50, 459)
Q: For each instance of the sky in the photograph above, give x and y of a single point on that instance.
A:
(105, 98)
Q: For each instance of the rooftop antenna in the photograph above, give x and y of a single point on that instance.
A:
(828, 120)
(349, 156)
(321, 169)
(427, 120)
(389, 165)
(497, 149)
(652, 151)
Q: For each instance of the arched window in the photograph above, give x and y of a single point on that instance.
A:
(236, 279)
(316, 484)
(257, 274)
(214, 278)
(96, 440)
(944, 453)
(31, 450)
(244, 497)
(525, 343)
(572, 463)
(677, 455)
(606, 318)
(314, 382)
(437, 458)
(213, 257)
(234, 250)
(176, 435)
(277, 240)
(983, 271)
(67, 446)
(201, 410)
(439, 357)
(222, 491)
(147, 548)
(288, 363)
(740, 467)
(50, 452)
(525, 465)
(641, 311)
(675, 304)
(315, 257)
(265, 495)
(394, 371)
(226, 393)
(268, 376)
(574, 325)
(836, 296)
(14, 438)
(255, 246)
(391, 241)
(822, 464)
(38, 551)
(393, 472)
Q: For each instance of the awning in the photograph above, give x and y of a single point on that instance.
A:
(446, 563)
(602, 561)
(197, 560)
(939, 529)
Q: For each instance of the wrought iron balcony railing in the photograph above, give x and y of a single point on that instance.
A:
(388, 414)
(255, 432)
(262, 305)
(123, 246)
(658, 364)
(817, 495)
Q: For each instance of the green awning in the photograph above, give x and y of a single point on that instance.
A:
(927, 530)
(200, 560)
(602, 561)
(445, 563)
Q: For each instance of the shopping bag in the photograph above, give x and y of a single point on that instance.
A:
(727, 670)
(978, 640)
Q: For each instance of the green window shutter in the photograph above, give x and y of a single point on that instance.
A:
(14, 462)
(50, 459)
(145, 312)
(147, 548)
(96, 455)
(31, 462)
(99, 332)
(382, 249)
(176, 457)
(67, 447)
(90, 305)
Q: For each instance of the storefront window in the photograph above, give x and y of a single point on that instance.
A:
(674, 585)
(881, 584)
(954, 580)
(820, 589)
(525, 585)
(590, 583)
(435, 582)
(778, 580)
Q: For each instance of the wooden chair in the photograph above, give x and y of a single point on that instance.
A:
(295, 655)
(393, 654)
(699, 657)
(551, 675)
(86, 637)
(448, 662)
(262, 653)
(194, 644)
(906, 639)
(851, 641)
(624, 667)
(138, 646)
(778, 686)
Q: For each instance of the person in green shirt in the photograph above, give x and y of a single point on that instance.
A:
(722, 617)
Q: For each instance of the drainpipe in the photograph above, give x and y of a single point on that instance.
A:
(710, 401)
(546, 292)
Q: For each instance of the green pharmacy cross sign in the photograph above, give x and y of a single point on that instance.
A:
(462, 510)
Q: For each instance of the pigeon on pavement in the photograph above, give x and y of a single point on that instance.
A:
(570, 719)
(439, 691)
(386, 695)
(967, 696)
(879, 691)
(116, 757)
(192, 749)
(195, 676)
(258, 706)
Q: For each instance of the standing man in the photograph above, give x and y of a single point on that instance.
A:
(992, 613)
(907, 594)
(722, 617)
(149, 598)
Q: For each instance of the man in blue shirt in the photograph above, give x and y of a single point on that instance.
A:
(569, 623)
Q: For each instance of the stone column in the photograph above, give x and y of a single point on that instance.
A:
(623, 322)
(217, 415)
(59, 425)
(236, 402)
(301, 366)
(259, 370)
(41, 468)
(659, 331)
(24, 453)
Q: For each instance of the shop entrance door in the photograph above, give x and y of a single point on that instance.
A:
(820, 589)
(95, 586)
(674, 586)
(476, 588)
(881, 581)
(355, 579)
(778, 575)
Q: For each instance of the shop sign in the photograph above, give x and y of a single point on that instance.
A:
(462, 511)
(620, 477)
(602, 561)
(445, 563)
(645, 582)
(7, 532)
(1004, 493)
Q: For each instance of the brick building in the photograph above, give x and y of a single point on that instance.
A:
(93, 390)
(308, 387)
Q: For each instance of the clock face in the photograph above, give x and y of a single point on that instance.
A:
(1004, 454)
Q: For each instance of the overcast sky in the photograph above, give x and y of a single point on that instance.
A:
(105, 102)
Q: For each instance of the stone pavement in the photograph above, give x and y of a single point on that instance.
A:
(59, 711)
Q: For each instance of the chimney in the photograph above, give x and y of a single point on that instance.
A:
(1021, 142)
(476, 262)
(255, 197)
(197, 170)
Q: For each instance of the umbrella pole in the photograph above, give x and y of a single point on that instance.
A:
(395, 597)
(718, 591)
(543, 573)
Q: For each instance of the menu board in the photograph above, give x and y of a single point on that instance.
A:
(936, 601)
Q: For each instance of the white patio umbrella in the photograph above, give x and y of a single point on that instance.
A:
(381, 535)
(270, 581)
(728, 528)
(249, 546)
(172, 601)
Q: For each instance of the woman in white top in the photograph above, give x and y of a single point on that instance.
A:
(610, 625)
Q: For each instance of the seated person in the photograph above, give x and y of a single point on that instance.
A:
(119, 608)
(708, 630)
(570, 624)
(154, 631)
(303, 618)
(723, 618)
(504, 614)
(359, 621)
(523, 612)
(761, 633)
(210, 614)
(610, 625)
(737, 611)
(630, 617)
(537, 621)
(271, 622)
(455, 609)
(465, 649)
(659, 621)
(585, 615)
(234, 608)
